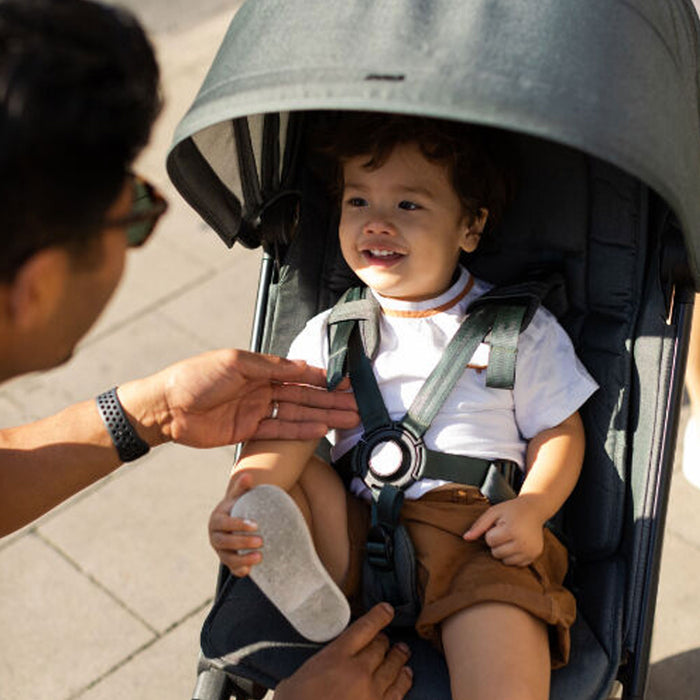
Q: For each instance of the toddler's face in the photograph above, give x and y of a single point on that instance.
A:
(402, 226)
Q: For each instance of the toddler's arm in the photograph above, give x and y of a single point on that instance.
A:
(278, 462)
(514, 529)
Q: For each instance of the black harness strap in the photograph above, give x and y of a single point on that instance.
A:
(369, 399)
(444, 376)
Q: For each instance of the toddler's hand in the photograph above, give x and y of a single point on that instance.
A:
(512, 530)
(234, 538)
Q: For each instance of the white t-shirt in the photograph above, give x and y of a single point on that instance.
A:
(475, 420)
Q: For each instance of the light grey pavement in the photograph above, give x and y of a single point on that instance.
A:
(103, 598)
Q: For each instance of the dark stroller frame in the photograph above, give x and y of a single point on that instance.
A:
(587, 86)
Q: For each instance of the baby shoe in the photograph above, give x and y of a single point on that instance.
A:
(691, 452)
(290, 574)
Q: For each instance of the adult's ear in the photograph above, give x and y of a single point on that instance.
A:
(37, 289)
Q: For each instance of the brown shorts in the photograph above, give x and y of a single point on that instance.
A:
(454, 574)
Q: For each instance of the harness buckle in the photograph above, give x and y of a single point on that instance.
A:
(380, 548)
(389, 455)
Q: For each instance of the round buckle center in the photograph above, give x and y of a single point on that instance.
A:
(386, 458)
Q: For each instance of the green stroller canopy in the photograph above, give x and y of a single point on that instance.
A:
(617, 79)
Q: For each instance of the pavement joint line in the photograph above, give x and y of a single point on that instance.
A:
(151, 309)
(61, 507)
(144, 647)
(188, 333)
(96, 582)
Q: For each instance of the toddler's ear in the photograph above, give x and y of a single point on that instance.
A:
(473, 231)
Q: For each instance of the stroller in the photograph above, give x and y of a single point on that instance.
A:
(601, 99)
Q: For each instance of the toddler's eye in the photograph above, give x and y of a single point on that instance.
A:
(356, 202)
(408, 206)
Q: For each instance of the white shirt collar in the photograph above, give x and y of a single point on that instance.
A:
(428, 307)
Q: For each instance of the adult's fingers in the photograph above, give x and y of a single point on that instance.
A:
(297, 395)
(364, 630)
(299, 372)
(398, 689)
(258, 366)
(373, 654)
(389, 669)
(286, 430)
(336, 416)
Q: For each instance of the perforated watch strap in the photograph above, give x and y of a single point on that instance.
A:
(126, 440)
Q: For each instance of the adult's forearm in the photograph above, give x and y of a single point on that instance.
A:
(46, 462)
(217, 398)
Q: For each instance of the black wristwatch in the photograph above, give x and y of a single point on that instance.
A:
(127, 441)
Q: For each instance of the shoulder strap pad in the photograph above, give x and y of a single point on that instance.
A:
(356, 305)
(516, 305)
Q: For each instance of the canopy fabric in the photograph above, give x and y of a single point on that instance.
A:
(617, 79)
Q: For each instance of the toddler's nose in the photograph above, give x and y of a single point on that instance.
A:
(377, 226)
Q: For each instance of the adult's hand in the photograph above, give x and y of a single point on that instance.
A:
(227, 396)
(358, 665)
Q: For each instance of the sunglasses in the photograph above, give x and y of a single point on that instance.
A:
(147, 206)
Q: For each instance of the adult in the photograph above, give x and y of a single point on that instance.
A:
(79, 91)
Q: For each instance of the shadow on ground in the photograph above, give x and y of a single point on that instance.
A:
(676, 677)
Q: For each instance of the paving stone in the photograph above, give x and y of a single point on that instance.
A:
(142, 347)
(674, 672)
(154, 274)
(220, 314)
(166, 669)
(59, 629)
(676, 628)
(683, 508)
(185, 231)
(144, 536)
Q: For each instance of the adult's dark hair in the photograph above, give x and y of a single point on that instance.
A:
(477, 158)
(79, 91)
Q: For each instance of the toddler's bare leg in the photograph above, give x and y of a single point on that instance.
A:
(496, 651)
(320, 495)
